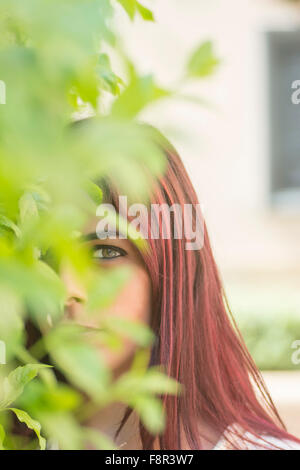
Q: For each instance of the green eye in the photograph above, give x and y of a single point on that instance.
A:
(108, 252)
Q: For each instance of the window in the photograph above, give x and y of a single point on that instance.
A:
(283, 48)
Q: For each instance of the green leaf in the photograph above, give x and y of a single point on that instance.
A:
(9, 224)
(14, 384)
(2, 437)
(40, 195)
(104, 288)
(28, 208)
(152, 382)
(203, 61)
(140, 333)
(24, 417)
(141, 361)
(151, 413)
(129, 6)
(94, 192)
(11, 322)
(34, 285)
(69, 346)
(62, 428)
(157, 382)
(46, 271)
(139, 93)
(109, 80)
(145, 13)
(99, 440)
(38, 397)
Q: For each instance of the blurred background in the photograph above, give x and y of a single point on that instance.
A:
(241, 146)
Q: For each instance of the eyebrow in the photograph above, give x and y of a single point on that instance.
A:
(100, 235)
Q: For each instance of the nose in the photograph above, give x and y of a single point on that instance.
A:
(73, 299)
(75, 292)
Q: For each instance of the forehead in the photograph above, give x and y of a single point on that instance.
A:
(91, 232)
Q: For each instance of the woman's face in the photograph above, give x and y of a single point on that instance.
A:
(132, 302)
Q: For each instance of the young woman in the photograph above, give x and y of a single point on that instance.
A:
(178, 292)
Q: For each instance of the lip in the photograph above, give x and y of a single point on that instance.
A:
(90, 329)
(85, 326)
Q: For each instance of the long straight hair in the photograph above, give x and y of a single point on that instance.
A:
(198, 341)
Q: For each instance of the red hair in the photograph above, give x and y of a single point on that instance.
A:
(198, 341)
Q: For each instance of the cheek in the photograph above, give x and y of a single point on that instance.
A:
(134, 301)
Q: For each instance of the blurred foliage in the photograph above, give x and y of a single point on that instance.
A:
(269, 320)
(55, 63)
